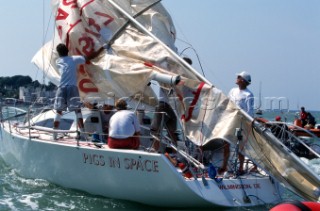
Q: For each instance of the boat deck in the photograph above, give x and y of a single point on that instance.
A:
(69, 139)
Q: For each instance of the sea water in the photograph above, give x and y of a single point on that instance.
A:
(18, 193)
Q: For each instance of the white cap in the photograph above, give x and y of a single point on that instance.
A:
(246, 76)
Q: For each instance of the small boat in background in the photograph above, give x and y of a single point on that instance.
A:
(259, 112)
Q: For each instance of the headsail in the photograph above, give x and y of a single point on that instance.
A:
(138, 51)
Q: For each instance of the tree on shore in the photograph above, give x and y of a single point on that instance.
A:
(9, 86)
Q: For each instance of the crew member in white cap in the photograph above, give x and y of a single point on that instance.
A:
(241, 95)
(243, 98)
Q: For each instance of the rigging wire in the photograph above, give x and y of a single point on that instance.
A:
(45, 33)
(45, 30)
(192, 48)
(197, 55)
(42, 41)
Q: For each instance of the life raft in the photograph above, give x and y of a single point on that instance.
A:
(297, 206)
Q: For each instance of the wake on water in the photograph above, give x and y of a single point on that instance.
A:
(24, 194)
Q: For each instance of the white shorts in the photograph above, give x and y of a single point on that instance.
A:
(67, 97)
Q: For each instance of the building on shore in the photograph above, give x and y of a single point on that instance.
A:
(36, 95)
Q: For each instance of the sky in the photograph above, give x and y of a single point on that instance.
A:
(276, 41)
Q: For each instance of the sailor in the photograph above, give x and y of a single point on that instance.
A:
(241, 95)
(303, 116)
(277, 118)
(171, 154)
(67, 95)
(243, 98)
(100, 112)
(311, 122)
(124, 128)
(106, 112)
(165, 113)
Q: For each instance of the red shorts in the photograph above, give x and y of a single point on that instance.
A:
(128, 143)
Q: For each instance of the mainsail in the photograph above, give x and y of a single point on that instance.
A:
(139, 37)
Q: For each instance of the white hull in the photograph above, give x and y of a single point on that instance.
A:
(134, 175)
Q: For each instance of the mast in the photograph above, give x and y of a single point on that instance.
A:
(260, 101)
(259, 111)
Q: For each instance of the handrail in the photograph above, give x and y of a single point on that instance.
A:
(51, 130)
(191, 159)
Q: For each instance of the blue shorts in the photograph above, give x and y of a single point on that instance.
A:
(67, 97)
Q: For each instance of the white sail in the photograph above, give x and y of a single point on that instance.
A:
(131, 59)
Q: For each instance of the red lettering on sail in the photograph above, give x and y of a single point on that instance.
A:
(193, 103)
(61, 15)
(110, 19)
(73, 25)
(59, 28)
(88, 45)
(83, 86)
(93, 23)
(72, 3)
(81, 70)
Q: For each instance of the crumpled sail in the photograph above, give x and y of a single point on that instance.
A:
(139, 37)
